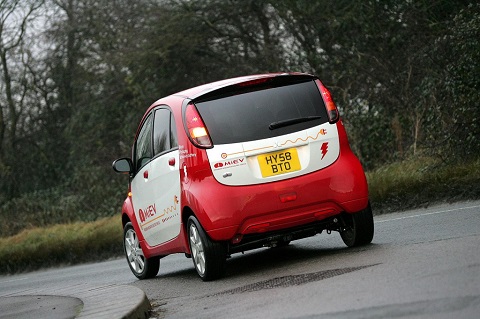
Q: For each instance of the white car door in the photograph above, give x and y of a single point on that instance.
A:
(156, 186)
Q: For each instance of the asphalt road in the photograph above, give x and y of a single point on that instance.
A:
(422, 264)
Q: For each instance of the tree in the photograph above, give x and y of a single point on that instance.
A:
(15, 17)
(457, 55)
(404, 75)
(376, 57)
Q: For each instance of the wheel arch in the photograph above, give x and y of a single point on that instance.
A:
(125, 219)
(186, 213)
(193, 205)
(128, 215)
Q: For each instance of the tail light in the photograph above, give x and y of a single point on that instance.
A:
(332, 110)
(197, 131)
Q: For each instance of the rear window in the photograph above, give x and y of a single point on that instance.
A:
(248, 115)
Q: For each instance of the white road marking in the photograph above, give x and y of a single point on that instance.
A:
(16, 279)
(427, 214)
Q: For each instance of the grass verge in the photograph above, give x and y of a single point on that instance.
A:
(420, 182)
(63, 244)
(394, 187)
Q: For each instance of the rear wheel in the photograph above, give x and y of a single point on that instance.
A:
(140, 266)
(358, 229)
(209, 257)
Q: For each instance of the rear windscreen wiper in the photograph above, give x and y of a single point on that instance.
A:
(297, 120)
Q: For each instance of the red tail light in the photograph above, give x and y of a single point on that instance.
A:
(332, 110)
(197, 131)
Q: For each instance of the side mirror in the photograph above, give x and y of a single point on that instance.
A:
(123, 165)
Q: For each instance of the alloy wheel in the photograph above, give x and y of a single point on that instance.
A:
(134, 252)
(198, 253)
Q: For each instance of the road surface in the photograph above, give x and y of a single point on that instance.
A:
(423, 263)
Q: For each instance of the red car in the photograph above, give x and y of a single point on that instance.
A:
(236, 165)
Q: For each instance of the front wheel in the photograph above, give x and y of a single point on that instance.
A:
(358, 228)
(141, 267)
(209, 257)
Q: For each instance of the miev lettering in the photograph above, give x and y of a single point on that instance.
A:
(234, 162)
(147, 212)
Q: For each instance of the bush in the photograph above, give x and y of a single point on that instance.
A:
(61, 245)
(420, 182)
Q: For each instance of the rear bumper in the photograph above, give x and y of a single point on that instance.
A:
(238, 211)
(275, 238)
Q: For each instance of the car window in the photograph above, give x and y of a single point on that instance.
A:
(164, 132)
(143, 149)
(247, 116)
(161, 131)
(173, 133)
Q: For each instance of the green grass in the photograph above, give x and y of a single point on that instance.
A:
(421, 182)
(413, 183)
(63, 244)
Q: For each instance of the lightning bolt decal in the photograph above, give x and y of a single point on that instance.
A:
(324, 149)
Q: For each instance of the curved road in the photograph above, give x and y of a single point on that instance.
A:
(422, 263)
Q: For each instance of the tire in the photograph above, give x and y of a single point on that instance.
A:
(209, 257)
(141, 267)
(358, 229)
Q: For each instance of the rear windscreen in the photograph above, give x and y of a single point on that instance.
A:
(247, 116)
